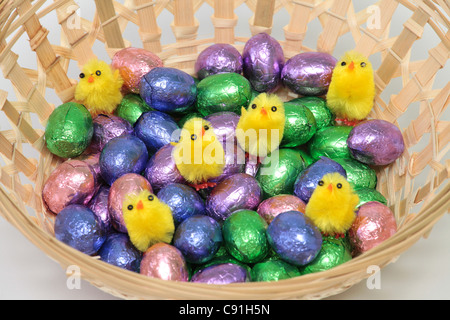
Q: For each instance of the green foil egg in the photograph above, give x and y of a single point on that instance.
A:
(223, 92)
(278, 172)
(185, 118)
(330, 142)
(69, 130)
(359, 175)
(299, 127)
(333, 253)
(307, 159)
(318, 106)
(131, 108)
(274, 270)
(244, 234)
(369, 194)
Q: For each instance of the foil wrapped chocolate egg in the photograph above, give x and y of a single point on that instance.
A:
(234, 160)
(294, 238)
(223, 92)
(300, 125)
(307, 180)
(274, 270)
(330, 142)
(221, 274)
(309, 73)
(119, 251)
(69, 130)
(278, 172)
(107, 127)
(77, 226)
(161, 169)
(128, 184)
(271, 207)
(374, 223)
(224, 124)
(263, 60)
(131, 108)
(168, 90)
(318, 106)
(72, 182)
(164, 261)
(122, 155)
(244, 234)
(156, 129)
(133, 64)
(359, 175)
(99, 206)
(333, 253)
(198, 238)
(369, 194)
(376, 142)
(183, 200)
(218, 58)
(238, 191)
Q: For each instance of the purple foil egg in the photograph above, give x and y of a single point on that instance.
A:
(72, 182)
(239, 191)
(309, 73)
(99, 205)
(133, 64)
(307, 180)
(221, 274)
(165, 262)
(128, 184)
(224, 124)
(218, 58)
(270, 208)
(107, 127)
(234, 161)
(122, 155)
(161, 169)
(376, 142)
(263, 60)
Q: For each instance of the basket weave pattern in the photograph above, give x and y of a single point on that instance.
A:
(416, 185)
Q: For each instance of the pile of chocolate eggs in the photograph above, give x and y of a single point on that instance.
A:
(250, 226)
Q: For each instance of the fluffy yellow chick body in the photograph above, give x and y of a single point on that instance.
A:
(261, 127)
(99, 87)
(199, 155)
(332, 205)
(148, 220)
(352, 88)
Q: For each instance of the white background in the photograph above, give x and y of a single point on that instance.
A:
(422, 272)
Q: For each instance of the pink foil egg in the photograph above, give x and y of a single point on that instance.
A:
(164, 261)
(133, 64)
(374, 223)
(72, 182)
(130, 183)
(270, 208)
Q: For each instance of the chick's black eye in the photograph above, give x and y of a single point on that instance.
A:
(193, 137)
(98, 72)
(363, 64)
(321, 183)
(130, 207)
(82, 75)
(206, 127)
(150, 197)
(274, 109)
(343, 63)
(253, 106)
(339, 185)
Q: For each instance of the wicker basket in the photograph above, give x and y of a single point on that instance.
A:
(416, 185)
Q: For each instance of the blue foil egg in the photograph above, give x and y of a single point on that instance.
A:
(184, 201)
(156, 129)
(120, 252)
(307, 180)
(121, 155)
(76, 225)
(294, 238)
(198, 238)
(168, 90)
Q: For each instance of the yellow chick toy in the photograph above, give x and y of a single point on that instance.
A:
(352, 89)
(148, 220)
(260, 128)
(332, 205)
(199, 155)
(99, 88)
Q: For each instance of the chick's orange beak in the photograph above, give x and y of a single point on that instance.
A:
(203, 132)
(330, 187)
(351, 66)
(264, 112)
(91, 79)
(140, 205)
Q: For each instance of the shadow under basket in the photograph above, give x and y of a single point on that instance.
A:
(416, 185)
